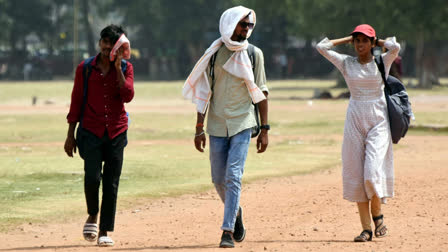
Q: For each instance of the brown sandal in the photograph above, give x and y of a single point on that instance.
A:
(380, 228)
(365, 236)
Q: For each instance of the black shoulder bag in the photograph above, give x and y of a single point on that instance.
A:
(398, 105)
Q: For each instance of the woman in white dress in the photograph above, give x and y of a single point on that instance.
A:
(367, 159)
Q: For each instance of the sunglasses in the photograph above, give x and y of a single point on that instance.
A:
(246, 24)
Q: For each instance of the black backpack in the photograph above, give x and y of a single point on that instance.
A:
(251, 53)
(398, 105)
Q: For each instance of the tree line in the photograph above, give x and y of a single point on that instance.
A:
(169, 36)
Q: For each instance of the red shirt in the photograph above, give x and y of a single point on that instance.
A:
(105, 100)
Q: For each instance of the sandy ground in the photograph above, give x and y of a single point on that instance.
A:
(300, 213)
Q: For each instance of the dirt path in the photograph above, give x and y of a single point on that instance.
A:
(300, 213)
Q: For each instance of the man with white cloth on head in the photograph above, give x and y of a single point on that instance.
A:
(228, 92)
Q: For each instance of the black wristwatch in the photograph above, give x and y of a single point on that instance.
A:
(266, 126)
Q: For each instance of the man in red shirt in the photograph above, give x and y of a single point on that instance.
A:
(102, 131)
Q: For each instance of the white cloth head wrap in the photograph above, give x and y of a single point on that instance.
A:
(197, 86)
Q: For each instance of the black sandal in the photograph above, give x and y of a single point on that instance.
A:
(380, 229)
(365, 236)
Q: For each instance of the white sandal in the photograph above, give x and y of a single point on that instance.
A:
(105, 241)
(90, 232)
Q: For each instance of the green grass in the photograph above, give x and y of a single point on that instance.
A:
(432, 118)
(429, 130)
(31, 128)
(21, 93)
(38, 181)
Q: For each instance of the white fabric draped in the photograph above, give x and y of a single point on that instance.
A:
(197, 86)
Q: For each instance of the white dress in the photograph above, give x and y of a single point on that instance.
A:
(367, 159)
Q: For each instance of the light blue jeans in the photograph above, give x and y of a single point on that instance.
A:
(227, 158)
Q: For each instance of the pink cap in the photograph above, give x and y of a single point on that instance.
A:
(365, 29)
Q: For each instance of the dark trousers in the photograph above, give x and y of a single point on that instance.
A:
(96, 151)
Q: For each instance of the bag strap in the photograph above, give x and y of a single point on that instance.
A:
(251, 53)
(380, 64)
(124, 66)
(212, 66)
(86, 71)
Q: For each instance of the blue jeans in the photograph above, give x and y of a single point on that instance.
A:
(227, 158)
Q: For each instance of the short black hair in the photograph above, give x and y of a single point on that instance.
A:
(112, 32)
